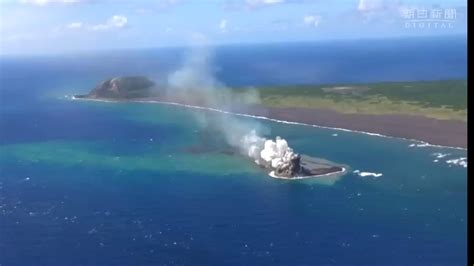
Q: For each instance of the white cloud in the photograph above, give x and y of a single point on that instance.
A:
(165, 4)
(270, 2)
(370, 5)
(253, 4)
(115, 22)
(260, 3)
(75, 25)
(223, 25)
(379, 11)
(311, 20)
(99, 27)
(170, 2)
(46, 2)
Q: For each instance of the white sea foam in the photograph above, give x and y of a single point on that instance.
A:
(366, 174)
(92, 99)
(462, 161)
(272, 174)
(424, 144)
(440, 155)
(459, 162)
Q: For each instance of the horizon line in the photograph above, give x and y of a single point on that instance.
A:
(220, 45)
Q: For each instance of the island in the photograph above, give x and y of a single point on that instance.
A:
(303, 166)
(122, 88)
(433, 112)
(280, 159)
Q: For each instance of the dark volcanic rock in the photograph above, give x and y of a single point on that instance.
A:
(294, 168)
(322, 171)
(291, 169)
(122, 88)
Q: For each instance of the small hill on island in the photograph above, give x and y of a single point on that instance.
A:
(118, 88)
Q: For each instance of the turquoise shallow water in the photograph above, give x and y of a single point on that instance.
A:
(116, 184)
(91, 183)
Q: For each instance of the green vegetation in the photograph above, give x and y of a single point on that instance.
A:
(445, 99)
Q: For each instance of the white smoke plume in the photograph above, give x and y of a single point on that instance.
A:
(267, 152)
(195, 83)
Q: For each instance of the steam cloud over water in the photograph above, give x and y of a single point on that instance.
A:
(196, 83)
(267, 152)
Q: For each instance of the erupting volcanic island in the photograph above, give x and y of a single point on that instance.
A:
(283, 162)
(274, 155)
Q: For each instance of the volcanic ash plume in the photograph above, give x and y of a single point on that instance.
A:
(275, 154)
(195, 83)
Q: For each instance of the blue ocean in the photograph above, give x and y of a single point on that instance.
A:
(97, 183)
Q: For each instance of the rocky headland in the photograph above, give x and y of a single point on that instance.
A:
(122, 88)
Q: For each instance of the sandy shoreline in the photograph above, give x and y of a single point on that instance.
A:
(447, 133)
(438, 132)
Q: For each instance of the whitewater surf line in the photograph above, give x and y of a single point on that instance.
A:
(424, 143)
(272, 174)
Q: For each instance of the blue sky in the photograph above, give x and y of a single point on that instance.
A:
(57, 26)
